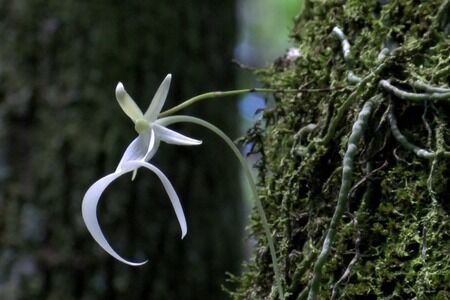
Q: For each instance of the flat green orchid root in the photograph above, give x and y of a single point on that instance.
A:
(428, 88)
(423, 153)
(248, 175)
(402, 139)
(347, 174)
(346, 48)
(433, 93)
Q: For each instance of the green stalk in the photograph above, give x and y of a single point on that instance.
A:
(220, 94)
(248, 175)
(217, 94)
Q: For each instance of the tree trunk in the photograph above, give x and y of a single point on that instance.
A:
(62, 129)
(357, 211)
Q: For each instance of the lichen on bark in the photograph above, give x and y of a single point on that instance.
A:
(399, 199)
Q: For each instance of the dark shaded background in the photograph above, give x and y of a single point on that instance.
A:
(61, 129)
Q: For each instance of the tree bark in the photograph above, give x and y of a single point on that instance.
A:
(358, 210)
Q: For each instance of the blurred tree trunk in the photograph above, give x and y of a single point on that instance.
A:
(61, 129)
(399, 248)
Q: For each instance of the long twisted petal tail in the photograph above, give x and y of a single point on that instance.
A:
(92, 197)
(89, 212)
(127, 103)
(171, 137)
(158, 100)
(170, 192)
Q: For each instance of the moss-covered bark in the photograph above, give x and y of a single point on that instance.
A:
(62, 129)
(395, 234)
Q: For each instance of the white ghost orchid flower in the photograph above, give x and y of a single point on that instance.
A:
(137, 155)
(148, 124)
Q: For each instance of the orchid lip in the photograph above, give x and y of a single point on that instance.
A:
(92, 198)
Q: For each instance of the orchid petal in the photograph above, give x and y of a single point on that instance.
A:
(139, 148)
(127, 103)
(171, 137)
(169, 189)
(89, 212)
(158, 100)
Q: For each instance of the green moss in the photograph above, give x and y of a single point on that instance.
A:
(401, 209)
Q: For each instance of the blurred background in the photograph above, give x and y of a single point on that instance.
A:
(61, 129)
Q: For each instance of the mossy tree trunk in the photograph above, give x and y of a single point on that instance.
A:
(390, 193)
(62, 129)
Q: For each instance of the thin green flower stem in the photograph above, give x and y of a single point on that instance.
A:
(414, 96)
(220, 94)
(347, 174)
(248, 175)
(429, 88)
(210, 95)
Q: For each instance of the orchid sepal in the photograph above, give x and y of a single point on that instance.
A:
(127, 103)
(155, 107)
